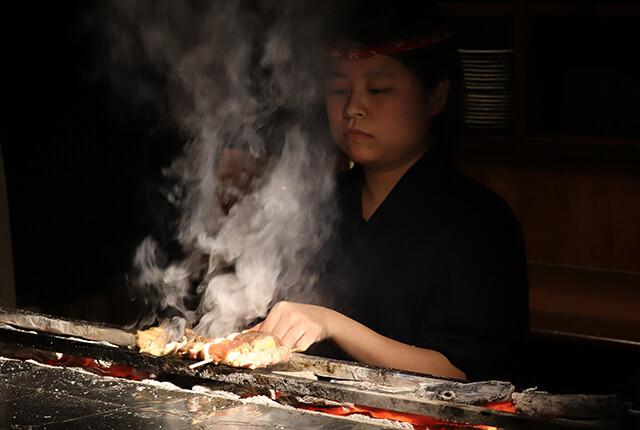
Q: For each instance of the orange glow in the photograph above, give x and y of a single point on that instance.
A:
(502, 406)
(420, 422)
(95, 366)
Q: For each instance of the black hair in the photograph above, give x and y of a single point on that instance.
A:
(376, 22)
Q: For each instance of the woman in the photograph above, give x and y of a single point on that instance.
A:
(429, 268)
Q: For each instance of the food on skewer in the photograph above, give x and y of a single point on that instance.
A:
(247, 349)
(155, 341)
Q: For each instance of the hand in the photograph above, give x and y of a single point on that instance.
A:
(236, 171)
(297, 325)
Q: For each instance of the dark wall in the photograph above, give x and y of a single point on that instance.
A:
(77, 156)
(569, 167)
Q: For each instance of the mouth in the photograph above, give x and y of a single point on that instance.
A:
(356, 132)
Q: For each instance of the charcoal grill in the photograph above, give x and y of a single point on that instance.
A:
(333, 382)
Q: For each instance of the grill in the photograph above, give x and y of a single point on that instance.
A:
(245, 396)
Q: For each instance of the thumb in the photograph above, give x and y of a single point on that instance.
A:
(256, 327)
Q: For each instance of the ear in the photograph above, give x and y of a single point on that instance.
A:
(439, 96)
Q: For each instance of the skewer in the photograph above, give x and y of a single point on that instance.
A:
(200, 363)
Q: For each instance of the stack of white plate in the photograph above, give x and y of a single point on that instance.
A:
(488, 79)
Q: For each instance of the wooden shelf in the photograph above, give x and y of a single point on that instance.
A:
(541, 8)
(585, 302)
(601, 149)
(586, 149)
(502, 139)
(573, 336)
(477, 9)
(480, 140)
(585, 140)
(583, 9)
(569, 164)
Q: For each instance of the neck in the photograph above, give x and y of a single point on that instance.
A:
(379, 181)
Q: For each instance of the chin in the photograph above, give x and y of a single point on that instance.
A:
(361, 155)
(363, 161)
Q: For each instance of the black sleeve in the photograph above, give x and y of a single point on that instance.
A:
(484, 322)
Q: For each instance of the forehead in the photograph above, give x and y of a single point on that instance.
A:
(378, 66)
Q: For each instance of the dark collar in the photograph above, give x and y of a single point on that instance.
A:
(425, 177)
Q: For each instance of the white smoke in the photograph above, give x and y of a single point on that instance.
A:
(247, 78)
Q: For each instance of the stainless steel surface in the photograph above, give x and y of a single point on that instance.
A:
(44, 397)
(83, 329)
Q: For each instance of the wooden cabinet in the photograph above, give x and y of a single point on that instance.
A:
(569, 166)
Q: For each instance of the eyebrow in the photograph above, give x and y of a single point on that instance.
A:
(379, 73)
(375, 73)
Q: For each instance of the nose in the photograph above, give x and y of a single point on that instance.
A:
(355, 108)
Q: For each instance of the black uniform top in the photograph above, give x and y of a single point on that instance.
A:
(439, 265)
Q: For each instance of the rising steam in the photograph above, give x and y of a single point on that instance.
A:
(244, 83)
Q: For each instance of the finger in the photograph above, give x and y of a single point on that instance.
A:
(256, 327)
(270, 322)
(281, 329)
(293, 335)
(304, 342)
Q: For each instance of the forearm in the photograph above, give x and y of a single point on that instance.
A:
(364, 344)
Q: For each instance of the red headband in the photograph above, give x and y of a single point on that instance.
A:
(389, 48)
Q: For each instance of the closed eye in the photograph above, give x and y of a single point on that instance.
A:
(378, 90)
(338, 91)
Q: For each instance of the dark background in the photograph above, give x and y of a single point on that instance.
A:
(79, 157)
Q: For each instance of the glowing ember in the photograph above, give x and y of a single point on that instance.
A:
(98, 366)
(419, 422)
(502, 406)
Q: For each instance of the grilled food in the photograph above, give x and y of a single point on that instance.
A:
(247, 349)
